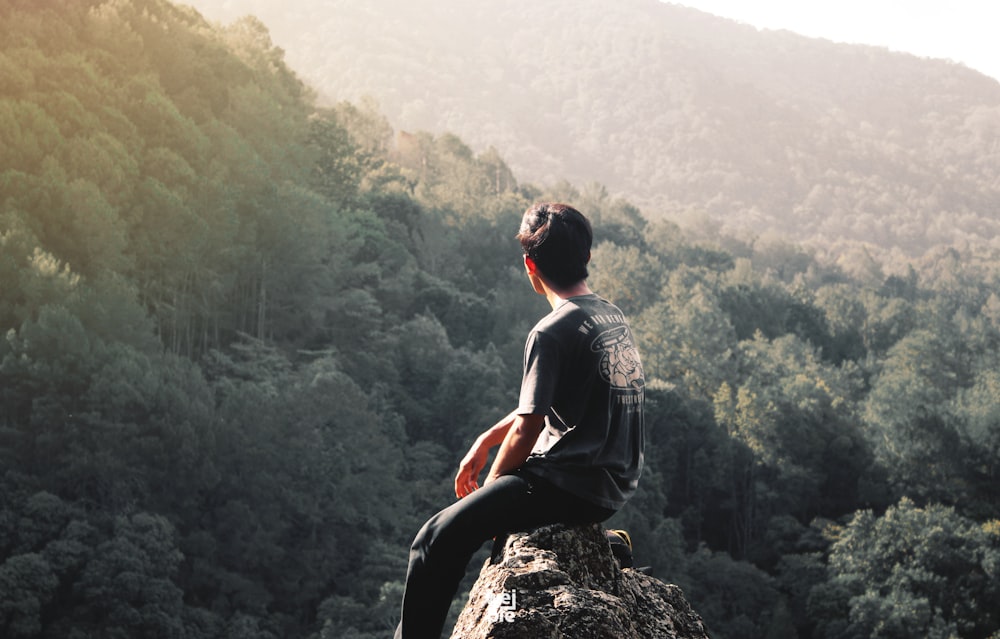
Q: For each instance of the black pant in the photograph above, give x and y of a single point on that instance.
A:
(443, 547)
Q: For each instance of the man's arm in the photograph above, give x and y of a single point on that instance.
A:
(517, 444)
(467, 479)
(511, 433)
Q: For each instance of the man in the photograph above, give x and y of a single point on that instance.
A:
(571, 451)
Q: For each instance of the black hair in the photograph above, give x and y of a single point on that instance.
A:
(557, 238)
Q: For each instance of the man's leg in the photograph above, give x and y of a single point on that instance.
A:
(442, 549)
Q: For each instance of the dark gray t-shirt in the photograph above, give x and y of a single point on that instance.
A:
(582, 371)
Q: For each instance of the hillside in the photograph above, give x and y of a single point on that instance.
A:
(246, 342)
(677, 110)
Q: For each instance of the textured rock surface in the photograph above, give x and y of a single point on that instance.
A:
(561, 582)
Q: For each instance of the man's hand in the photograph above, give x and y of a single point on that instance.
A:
(467, 479)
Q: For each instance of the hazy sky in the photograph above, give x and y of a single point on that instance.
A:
(964, 31)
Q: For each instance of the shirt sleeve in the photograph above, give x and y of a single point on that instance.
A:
(538, 383)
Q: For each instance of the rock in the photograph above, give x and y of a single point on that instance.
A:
(562, 582)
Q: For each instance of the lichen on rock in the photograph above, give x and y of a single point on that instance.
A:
(562, 582)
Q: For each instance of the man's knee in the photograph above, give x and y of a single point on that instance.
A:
(429, 536)
(446, 536)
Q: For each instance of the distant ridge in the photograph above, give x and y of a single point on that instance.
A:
(684, 113)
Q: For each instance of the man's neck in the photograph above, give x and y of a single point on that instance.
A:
(556, 297)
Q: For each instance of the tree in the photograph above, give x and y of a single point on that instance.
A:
(907, 418)
(925, 572)
(630, 278)
(337, 169)
(686, 338)
(738, 599)
(27, 586)
(795, 413)
(127, 588)
(977, 416)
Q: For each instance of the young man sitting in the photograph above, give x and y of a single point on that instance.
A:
(572, 450)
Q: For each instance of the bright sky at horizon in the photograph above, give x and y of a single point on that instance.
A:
(964, 31)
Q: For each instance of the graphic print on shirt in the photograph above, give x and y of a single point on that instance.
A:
(620, 365)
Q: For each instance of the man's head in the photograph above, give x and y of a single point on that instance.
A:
(557, 239)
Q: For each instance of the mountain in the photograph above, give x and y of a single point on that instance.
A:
(689, 115)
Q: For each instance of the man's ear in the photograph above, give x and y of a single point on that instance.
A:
(530, 266)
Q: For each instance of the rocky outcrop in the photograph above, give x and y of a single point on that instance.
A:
(561, 582)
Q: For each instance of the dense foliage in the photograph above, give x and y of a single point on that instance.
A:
(689, 115)
(246, 340)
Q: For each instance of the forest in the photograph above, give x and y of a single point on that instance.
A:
(247, 338)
